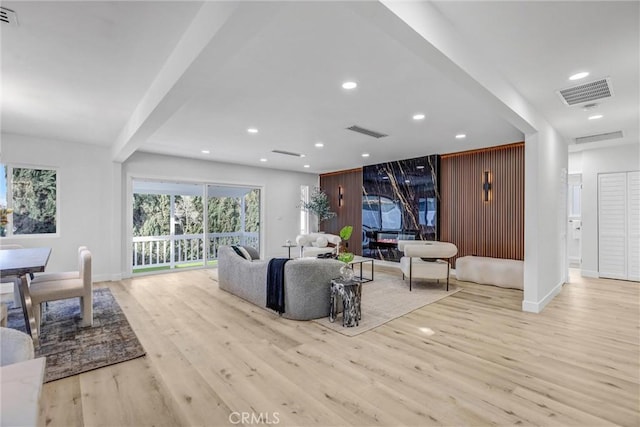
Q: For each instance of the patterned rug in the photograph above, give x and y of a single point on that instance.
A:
(71, 349)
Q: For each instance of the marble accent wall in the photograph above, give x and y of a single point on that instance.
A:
(400, 201)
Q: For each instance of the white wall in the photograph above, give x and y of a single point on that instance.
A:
(280, 192)
(85, 199)
(545, 267)
(590, 163)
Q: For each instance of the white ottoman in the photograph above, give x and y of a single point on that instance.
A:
(506, 273)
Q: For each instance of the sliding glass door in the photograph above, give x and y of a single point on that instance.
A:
(170, 219)
(233, 217)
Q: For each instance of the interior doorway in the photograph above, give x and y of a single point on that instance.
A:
(574, 227)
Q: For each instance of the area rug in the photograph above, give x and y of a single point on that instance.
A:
(387, 298)
(71, 349)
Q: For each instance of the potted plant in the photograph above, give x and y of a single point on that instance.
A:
(345, 234)
(318, 205)
(4, 220)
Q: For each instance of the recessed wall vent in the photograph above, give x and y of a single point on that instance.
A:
(587, 92)
(8, 16)
(599, 137)
(287, 153)
(367, 131)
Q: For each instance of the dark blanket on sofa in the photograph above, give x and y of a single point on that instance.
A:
(275, 284)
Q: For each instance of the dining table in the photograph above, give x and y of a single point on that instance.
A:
(22, 263)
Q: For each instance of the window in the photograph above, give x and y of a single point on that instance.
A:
(32, 195)
(304, 215)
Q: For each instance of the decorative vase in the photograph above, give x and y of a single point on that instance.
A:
(346, 272)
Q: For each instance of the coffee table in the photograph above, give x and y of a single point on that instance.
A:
(361, 260)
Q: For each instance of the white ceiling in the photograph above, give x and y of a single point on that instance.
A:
(77, 71)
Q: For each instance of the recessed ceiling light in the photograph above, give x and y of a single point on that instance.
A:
(263, 159)
(252, 130)
(461, 136)
(385, 177)
(595, 117)
(579, 76)
(319, 144)
(205, 151)
(406, 181)
(307, 166)
(303, 155)
(365, 154)
(420, 167)
(349, 85)
(418, 116)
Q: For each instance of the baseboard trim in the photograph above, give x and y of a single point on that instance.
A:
(537, 307)
(105, 277)
(589, 273)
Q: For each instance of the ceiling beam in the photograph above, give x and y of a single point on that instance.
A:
(217, 32)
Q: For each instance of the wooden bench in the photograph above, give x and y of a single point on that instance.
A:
(506, 273)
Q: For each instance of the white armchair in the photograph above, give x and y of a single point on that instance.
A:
(314, 244)
(426, 259)
(40, 291)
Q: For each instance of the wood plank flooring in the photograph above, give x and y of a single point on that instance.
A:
(471, 359)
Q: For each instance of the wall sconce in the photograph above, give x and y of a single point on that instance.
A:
(486, 186)
(340, 196)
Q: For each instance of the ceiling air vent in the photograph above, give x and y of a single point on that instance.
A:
(586, 92)
(287, 153)
(599, 137)
(8, 16)
(367, 132)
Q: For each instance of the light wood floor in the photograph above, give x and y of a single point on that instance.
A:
(471, 359)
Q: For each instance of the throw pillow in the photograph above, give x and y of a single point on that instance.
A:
(322, 242)
(241, 252)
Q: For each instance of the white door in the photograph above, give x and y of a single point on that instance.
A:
(619, 225)
(612, 227)
(633, 225)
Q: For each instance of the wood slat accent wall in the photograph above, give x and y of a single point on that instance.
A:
(350, 213)
(494, 228)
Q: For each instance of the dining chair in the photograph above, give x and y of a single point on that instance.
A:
(45, 277)
(15, 280)
(81, 287)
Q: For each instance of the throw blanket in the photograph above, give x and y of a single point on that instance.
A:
(275, 284)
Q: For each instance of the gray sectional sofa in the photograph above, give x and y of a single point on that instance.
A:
(307, 282)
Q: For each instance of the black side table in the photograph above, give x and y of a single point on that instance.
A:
(289, 248)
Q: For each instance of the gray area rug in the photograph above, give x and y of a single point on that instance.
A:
(387, 298)
(71, 349)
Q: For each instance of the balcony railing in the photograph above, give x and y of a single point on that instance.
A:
(186, 249)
